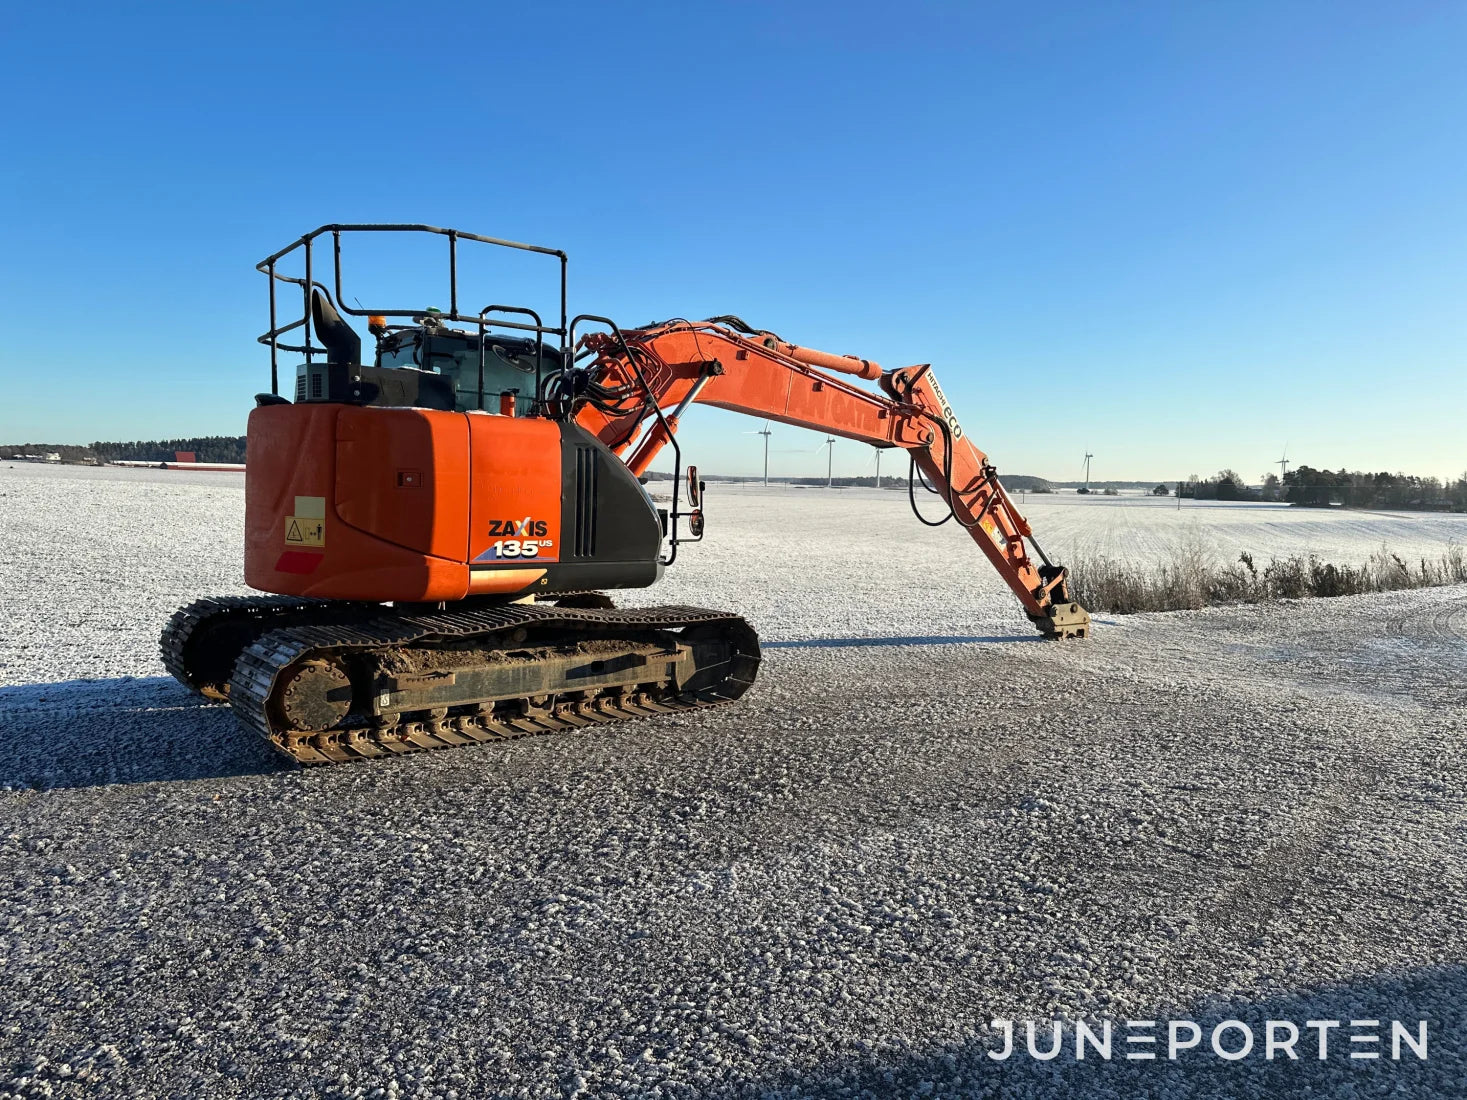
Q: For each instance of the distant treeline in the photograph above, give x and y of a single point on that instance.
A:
(209, 448)
(1354, 489)
(1306, 486)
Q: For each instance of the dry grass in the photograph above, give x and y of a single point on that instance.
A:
(1191, 579)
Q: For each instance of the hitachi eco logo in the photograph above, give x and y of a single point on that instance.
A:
(946, 408)
(521, 538)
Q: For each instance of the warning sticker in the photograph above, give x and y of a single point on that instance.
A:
(305, 531)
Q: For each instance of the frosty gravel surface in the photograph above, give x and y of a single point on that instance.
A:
(919, 821)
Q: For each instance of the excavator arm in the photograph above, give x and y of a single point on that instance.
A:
(640, 382)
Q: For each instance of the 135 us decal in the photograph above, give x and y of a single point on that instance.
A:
(518, 539)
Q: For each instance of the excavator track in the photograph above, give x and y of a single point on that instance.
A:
(203, 640)
(332, 682)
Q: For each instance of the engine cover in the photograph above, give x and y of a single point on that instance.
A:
(421, 505)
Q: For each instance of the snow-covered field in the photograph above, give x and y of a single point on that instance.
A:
(1148, 527)
(922, 819)
(97, 558)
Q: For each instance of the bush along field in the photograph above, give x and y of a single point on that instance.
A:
(1190, 579)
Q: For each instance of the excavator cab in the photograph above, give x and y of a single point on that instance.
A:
(480, 369)
(453, 359)
(433, 471)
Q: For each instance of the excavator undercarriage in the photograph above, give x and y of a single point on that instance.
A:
(332, 682)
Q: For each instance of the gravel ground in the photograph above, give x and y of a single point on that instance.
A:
(920, 821)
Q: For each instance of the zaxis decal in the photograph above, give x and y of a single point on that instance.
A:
(518, 528)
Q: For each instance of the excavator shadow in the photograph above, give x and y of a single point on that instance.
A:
(935, 639)
(90, 733)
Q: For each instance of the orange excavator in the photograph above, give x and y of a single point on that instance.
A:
(439, 529)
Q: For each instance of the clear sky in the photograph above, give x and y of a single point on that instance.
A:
(1180, 235)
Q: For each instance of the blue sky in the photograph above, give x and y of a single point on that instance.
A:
(1180, 235)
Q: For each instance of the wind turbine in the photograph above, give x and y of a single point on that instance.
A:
(1283, 465)
(1088, 457)
(878, 466)
(766, 433)
(830, 460)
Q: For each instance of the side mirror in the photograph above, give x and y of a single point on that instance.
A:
(695, 489)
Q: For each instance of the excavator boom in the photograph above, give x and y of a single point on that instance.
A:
(639, 372)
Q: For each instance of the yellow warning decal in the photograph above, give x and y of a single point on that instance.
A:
(305, 531)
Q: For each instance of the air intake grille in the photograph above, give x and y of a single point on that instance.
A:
(311, 382)
(587, 466)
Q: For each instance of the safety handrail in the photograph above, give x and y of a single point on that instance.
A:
(305, 243)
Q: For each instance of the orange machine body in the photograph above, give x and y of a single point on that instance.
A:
(400, 504)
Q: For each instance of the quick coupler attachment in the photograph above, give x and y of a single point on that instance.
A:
(1064, 620)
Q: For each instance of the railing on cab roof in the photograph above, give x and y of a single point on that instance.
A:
(482, 320)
